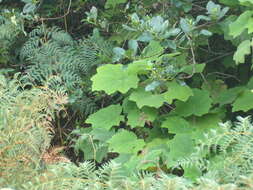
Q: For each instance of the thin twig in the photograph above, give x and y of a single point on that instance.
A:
(63, 16)
(193, 59)
(219, 57)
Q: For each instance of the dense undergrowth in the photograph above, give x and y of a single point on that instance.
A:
(121, 94)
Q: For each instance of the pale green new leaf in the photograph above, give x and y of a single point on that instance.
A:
(112, 78)
(125, 142)
(244, 102)
(140, 66)
(246, 2)
(237, 27)
(106, 118)
(177, 91)
(242, 50)
(198, 104)
(29, 8)
(144, 98)
(250, 27)
(133, 45)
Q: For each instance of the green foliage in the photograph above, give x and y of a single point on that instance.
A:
(176, 124)
(111, 177)
(11, 29)
(230, 142)
(145, 83)
(243, 49)
(113, 3)
(54, 59)
(160, 71)
(241, 23)
(198, 104)
(125, 142)
(180, 147)
(121, 80)
(243, 102)
(227, 150)
(143, 98)
(100, 119)
(177, 91)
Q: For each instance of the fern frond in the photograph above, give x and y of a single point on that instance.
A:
(111, 171)
(227, 151)
(26, 132)
(55, 60)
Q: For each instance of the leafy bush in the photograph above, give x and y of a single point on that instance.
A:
(224, 167)
(143, 86)
(162, 114)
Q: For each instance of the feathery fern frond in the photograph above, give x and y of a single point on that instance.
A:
(54, 59)
(227, 151)
(25, 124)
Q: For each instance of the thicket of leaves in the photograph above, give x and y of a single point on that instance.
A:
(178, 77)
(146, 82)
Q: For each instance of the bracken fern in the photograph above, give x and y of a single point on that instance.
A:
(226, 153)
(25, 124)
(55, 59)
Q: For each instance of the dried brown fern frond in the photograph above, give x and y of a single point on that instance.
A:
(26, 117)
(53, 156)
